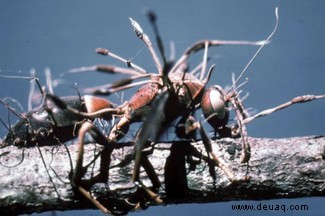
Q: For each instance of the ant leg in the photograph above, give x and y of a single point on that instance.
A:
(150, 128)
(240, 114)
(124, 84)
(218, 161)
(145, 163)
(154, 196)
(149, 131)
(78, 172)
(97, 113)
(193, 125)
(119, 129)
(149, 169)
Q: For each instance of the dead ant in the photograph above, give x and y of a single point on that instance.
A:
(50, 123)
(175, 93)
(57, 120)
(171, 94)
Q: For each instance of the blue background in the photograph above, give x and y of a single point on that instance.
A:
(63, 34)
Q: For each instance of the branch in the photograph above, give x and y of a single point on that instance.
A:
(292, 167)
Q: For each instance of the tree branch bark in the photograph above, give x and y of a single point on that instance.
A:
(292, 167)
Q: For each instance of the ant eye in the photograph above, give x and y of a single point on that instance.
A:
(217, 102)
(214, 107)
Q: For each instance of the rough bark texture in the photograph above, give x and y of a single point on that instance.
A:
(292, 167)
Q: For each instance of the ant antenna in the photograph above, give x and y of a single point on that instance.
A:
(260, 48)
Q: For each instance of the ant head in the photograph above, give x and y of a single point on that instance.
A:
(215, 107)
(8, 140)
(16, 135)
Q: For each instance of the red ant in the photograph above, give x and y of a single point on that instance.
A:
(171, 94)
(176, 93)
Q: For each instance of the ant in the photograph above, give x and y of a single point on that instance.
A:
(58, 120)
(51, 123)
(175, 93)
(171, 94)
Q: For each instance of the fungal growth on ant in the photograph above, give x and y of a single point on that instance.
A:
(172, 94)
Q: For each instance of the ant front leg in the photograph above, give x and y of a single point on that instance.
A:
(240, 114)
(215, 107)
(134, 110)
(243, 119)
(120, 128)
(218, 161)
